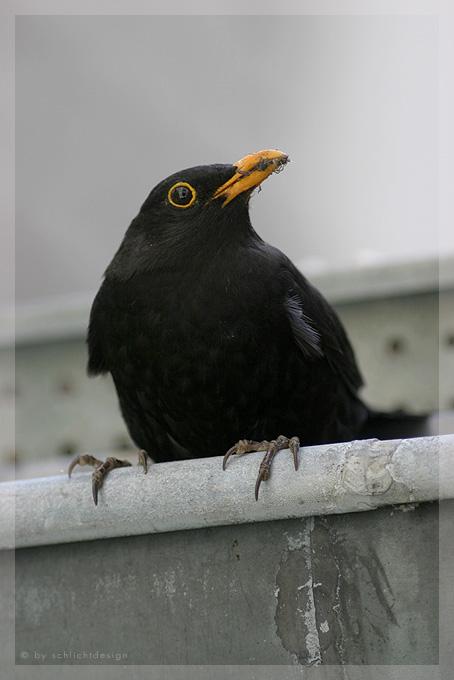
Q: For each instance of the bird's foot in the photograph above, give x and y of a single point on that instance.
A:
(271, 448)
(103, 467)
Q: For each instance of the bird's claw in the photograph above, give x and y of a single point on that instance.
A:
(83, 459)
(143, 460)
(261, 477)
(271, 448)
(243, 446)
(103, 467)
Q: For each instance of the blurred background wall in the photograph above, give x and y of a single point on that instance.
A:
(109, 105)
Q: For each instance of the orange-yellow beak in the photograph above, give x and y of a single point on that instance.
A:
(251, 171)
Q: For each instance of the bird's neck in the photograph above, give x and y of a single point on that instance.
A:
(199, 245)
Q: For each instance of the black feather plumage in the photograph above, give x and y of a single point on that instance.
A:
(212, 335)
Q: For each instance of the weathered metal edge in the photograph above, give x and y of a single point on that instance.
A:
(337, 478)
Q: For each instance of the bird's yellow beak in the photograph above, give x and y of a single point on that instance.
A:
(251, 171)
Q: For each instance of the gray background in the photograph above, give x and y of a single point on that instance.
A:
(137, 164)
(106, 106)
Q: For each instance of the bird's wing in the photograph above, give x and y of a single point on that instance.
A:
(316, 328)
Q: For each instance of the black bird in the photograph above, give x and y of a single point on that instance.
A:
(211, 335)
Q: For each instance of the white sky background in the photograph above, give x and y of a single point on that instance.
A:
(107, 106)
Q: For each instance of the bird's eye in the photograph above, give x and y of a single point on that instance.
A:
(182, 195)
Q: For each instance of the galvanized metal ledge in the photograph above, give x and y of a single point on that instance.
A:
(337, 478)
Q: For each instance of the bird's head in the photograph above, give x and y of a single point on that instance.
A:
(199, 209)
(196, 189)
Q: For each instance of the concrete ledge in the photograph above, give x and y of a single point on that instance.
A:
(338, 478)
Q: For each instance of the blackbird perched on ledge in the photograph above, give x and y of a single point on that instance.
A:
(213, 337)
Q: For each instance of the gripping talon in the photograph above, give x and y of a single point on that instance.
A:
(270, 448)
(143, 460)
(294, 446)
(102, 468)
(243, 446)
(84, 459)
(260, 477)
(230, 452)
(72, 465)
(94, 488)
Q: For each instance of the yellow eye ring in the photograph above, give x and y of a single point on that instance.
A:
(181, 195)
